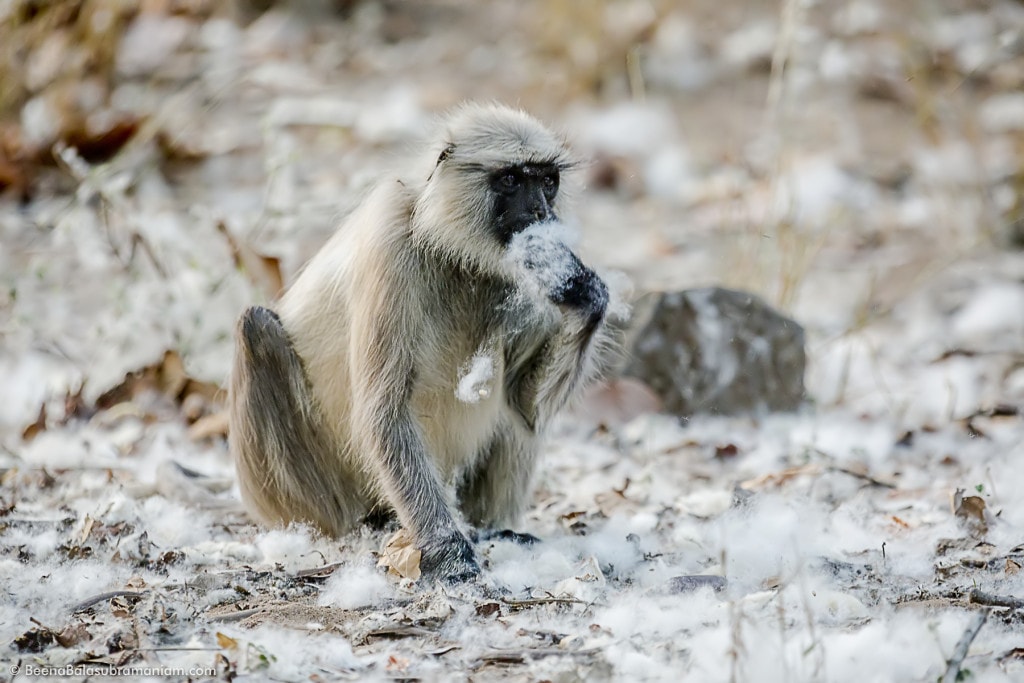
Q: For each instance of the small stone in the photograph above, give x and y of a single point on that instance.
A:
(693, 583)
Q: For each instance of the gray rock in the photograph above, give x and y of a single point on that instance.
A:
(694, 582)
(716, 350)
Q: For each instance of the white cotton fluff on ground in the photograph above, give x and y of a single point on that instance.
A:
(173, 524)
(287, 547)
(356, 586)
(475, 378)
(289, 654)
(49, 595)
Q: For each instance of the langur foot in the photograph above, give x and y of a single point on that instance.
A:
(450, 558)
(519, 537)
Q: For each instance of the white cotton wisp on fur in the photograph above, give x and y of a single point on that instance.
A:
(475, 378)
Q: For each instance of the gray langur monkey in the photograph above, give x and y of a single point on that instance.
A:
(346, 401)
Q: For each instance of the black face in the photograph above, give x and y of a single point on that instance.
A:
(523, 195)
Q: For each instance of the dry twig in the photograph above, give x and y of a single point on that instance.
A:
(233, 616)
(533, 602)
(962, 645)
(982, 598)
(522, 656)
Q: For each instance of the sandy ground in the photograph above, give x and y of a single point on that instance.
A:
(870, 185)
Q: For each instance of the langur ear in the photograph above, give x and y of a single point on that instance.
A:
(445, 153)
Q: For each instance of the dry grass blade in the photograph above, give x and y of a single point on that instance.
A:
(397, 632)
(779, 478)
(96, 599)
(523, 656)
(234, 616)
(318, 572)
(866, 477)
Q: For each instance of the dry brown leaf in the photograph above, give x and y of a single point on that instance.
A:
(1012, 567)
(779, 478)
(396, 663)
(168, 377)
(14, 176)
(72, 635)
(226, 642)
(263, 271)
(899, 522)
(35, 640)
(75, 405)
(970, 511)
(1016, 654)
(171, 374)
(729, 450)
(610, 501)
(209, 426)
(400, 556)
(487, 609)
(33, 430)
(96, 144)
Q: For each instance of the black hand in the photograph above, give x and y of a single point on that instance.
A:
(583, 290)
(567, 281)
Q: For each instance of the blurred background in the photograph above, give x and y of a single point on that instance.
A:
(859, 164)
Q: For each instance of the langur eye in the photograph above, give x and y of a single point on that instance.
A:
(509, 181)
(549, 181)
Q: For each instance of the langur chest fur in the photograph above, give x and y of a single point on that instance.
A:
(460, 400)
(456, 431)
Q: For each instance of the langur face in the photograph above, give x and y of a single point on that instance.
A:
(523, 195)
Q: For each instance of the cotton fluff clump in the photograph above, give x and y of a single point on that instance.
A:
(288, 547)
(540, 258)
(355, 587)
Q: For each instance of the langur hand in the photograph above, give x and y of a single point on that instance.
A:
(563, 278)
(552, 270)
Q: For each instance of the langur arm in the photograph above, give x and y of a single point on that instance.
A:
(391, 439)
(497, 490)
(566, 360)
